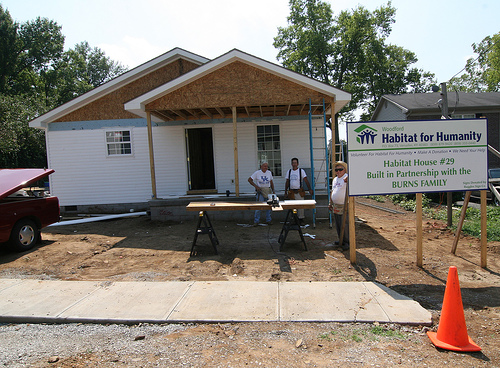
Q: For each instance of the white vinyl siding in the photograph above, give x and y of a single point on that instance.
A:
(390, 112)
(170, 161)
(86, 175)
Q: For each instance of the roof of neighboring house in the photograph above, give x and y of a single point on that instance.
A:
(116, 83)
(421, 103)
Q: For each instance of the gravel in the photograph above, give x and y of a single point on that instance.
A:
(24, 345)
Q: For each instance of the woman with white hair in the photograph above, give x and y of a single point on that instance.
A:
(337, 200)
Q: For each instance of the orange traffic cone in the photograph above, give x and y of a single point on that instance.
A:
(452, 331)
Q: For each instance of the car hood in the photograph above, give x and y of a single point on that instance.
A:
(12, 180)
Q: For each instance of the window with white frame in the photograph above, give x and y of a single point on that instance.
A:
(118, 142)
(269, 147)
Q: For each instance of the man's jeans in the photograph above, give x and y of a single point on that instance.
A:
(260, 198)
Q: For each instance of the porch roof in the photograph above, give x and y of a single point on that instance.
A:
(255, 87)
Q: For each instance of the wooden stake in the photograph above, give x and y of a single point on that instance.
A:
(419, 230)
(352, 232)
(484, 234)
(461, 221)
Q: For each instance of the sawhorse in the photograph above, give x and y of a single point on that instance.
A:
(206, 228)
(292, 222)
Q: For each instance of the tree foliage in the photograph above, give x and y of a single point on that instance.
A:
(37, 75)
(350, 52)
(482, 73)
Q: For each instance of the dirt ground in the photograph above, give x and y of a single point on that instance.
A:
(139, 249)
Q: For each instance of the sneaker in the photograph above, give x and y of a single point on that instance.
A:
(269, 223)
(255, 224)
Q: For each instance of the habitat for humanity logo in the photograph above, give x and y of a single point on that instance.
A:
(366, 134)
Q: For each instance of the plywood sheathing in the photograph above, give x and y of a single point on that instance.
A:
(254, 91)
(110, 106)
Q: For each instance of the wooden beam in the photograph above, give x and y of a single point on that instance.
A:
(221, 112)
(207, 113)
(235, 145)
(162, 115)
(177, 112)
(151, 154)
(194, 113)
(248, 111)
(484, 231)
(352, 231)
(420, 261)
(461, 221)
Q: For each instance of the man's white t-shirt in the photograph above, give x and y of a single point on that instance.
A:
(293, 176)
(262, 179)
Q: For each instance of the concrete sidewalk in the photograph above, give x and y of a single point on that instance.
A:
(27, 300)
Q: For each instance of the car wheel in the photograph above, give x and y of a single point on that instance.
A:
(24, 235)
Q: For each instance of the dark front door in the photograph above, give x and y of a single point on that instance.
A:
(200, 150)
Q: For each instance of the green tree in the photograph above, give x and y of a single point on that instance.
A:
(36, 75)
(349, 52)
(82, 69)
(482, 73)
(305, 46)
(9, 46)
(26, 50)
(20, 145)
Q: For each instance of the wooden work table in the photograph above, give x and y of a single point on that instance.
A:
(205, 226)
(250, 206)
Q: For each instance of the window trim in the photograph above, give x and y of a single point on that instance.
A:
(280, 161)
(118, 154)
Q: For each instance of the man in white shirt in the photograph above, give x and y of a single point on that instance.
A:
(262, 181)
(294, 188)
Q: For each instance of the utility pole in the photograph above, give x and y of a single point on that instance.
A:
(444, 112)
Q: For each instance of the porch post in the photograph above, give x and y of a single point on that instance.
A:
(151, 155)
(235, 145)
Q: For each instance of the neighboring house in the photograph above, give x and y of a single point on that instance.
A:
(461, 105)
(182, 124)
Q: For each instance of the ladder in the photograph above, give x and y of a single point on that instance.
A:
(318, 143)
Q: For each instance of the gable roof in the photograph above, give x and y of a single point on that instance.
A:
(138, 105)
(422, 103)
(116, 83)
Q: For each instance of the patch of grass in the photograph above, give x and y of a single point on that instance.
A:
(356, 338)
(472, 222)
(378, 198)
(327, 336)
(381, 331)
(408, 201)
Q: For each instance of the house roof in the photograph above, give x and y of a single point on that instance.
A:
(139, 105)
(422, 103)
(116, 83)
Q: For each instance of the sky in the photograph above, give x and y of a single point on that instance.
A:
(439, 32)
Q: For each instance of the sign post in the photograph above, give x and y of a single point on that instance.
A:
(400, 157)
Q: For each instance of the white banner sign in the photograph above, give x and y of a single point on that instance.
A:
(417, 156)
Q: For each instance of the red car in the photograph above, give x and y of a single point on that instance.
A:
(22, 216)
